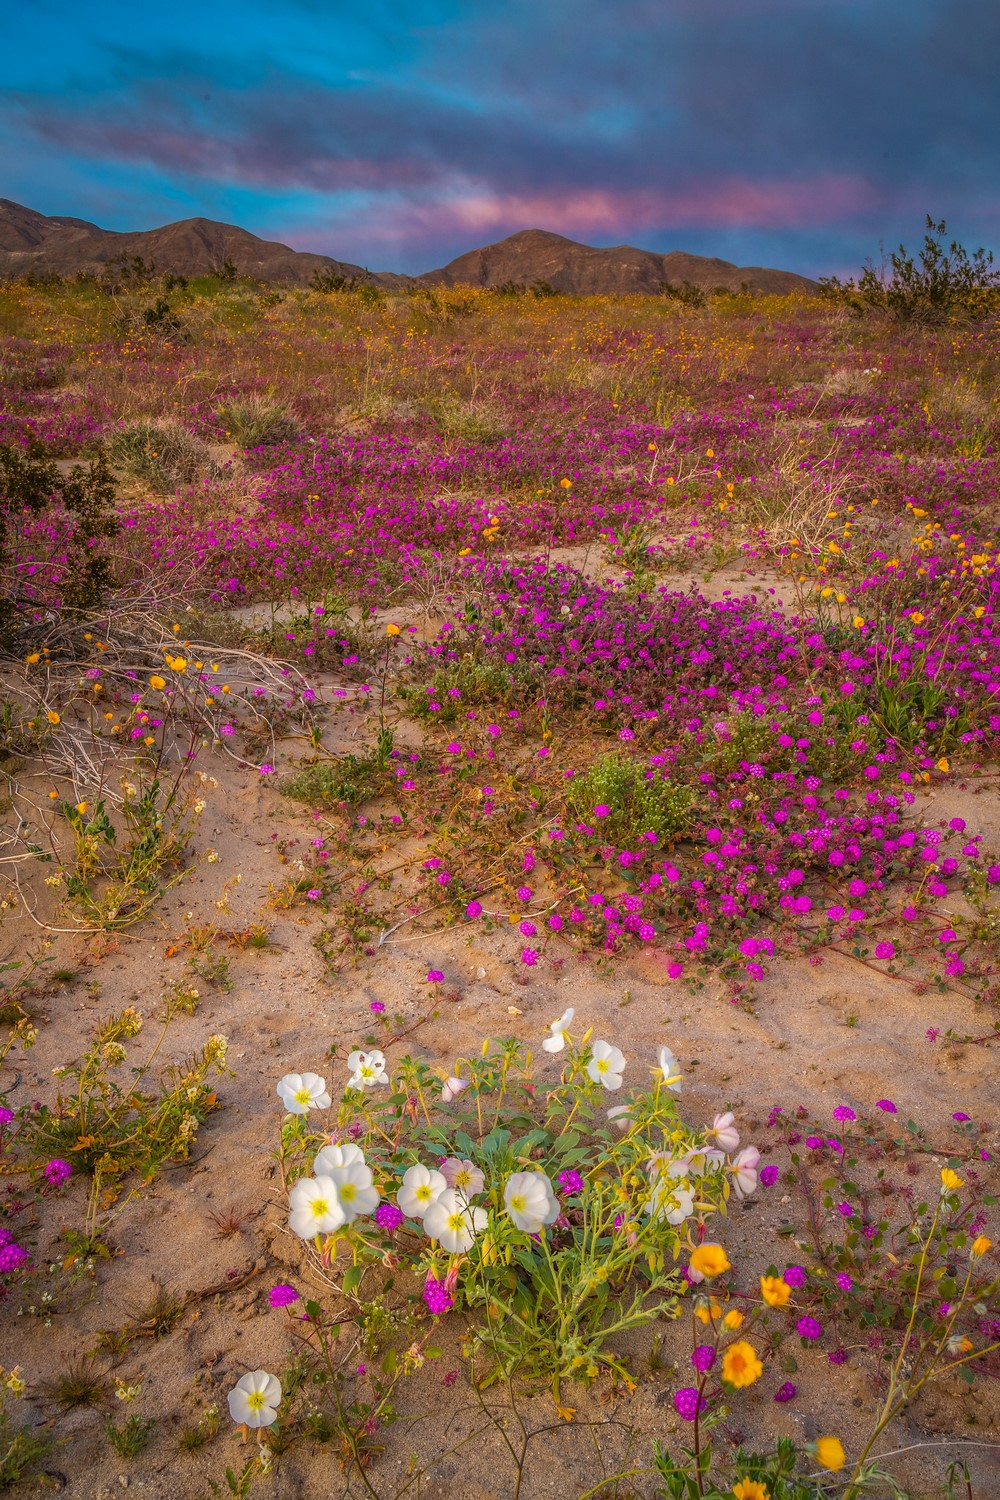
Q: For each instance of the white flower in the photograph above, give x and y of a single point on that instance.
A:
(314, 1207)
(367, 1069)
(696, 1163)
(355, 1192)
(557, 1041)
(620, 1116)
(530, 1201)
(452, 1222)
(255, 1398)
(464, 1176)
(301, 1092)
(345, 1155)
(725, 1132)
(670, 1202)
(606, 1064)
(744, 1169)
(670, 1070)
(418, 1190)
(452, 1087)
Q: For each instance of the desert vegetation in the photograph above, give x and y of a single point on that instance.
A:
(500, 888)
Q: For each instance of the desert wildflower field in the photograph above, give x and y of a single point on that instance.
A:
(500, 891)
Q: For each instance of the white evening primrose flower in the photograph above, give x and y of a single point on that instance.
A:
(668, 1201)
(254, 1399)
(367, 1069)
(452, 1087)
(347, 1154)
(725, 1132)
(668, 1070)
(418, 1190)
(464, 1176)
(744, 1170)
(620, 1116)
(557, 1041)
(314, 1207)
(453, 1223)
(606, 1064)
(355, 1191)
(530, 1201)
(301, 1092)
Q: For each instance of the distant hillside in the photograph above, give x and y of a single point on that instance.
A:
(536, 255)
(33, 242)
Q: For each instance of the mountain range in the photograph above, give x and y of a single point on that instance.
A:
(41, 244)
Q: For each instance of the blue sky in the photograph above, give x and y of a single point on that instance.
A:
(792, 133)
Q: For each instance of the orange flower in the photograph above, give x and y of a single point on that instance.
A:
(710, 1260)
(740, 1365)
(775, 1292)
(830, 1453)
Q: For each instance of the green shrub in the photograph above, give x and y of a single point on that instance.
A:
(258, 421)
(163, 455)
(931, 288)
(637, 800)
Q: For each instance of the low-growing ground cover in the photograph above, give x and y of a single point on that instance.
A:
(554, 744)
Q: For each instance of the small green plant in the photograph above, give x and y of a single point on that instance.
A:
(350, 779)
(129, 1437)
(625, 800)
(192, 1438)
(258, 421)
(105, 1120)
(80, 1384)
(23, 1449)
(214, 968)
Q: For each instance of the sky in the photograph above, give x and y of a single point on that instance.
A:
(801, 134)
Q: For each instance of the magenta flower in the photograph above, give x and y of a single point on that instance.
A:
(688, 1403)
(809, 1329)
(768, 1176)
(437, 1297)
(785, 1392)
(844, 1112)
(434, 976)
(282, 1295)
(388, 1217)
(703, 1358)
(886, 1105)
(57, 1172)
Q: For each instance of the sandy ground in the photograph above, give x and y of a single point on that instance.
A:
(817, 1036)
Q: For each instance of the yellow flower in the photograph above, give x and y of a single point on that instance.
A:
(465, 551)
(35, 657)
(53, 717)
(830, 1453)
(950, 1181)
(943, 764)
(733, 1320)
(81, 808)
(54, 796)
(740, 1365)
(392, 630)
(157, 682)
(706, 1308)
(775, 1292)
(981, 1244)
(177, 663)
(750, 1489)
(917, 617)
(710, 1260)
(859, 621)
(709, 452)
(566, 484)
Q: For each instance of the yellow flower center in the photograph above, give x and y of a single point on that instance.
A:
(301, 1096)
(348, 1192)
(256, 1401)
(518, 1202)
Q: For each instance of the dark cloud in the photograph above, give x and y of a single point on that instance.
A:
(795, 123)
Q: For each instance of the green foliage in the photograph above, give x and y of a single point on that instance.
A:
(118, 875)
(687, 293)
(23, 1449)
(31, 483)
(349, 779)
(931, 288)
(258, 421)
(639, 800)
(115, 1124)
(129, 1438)
(160, 454)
